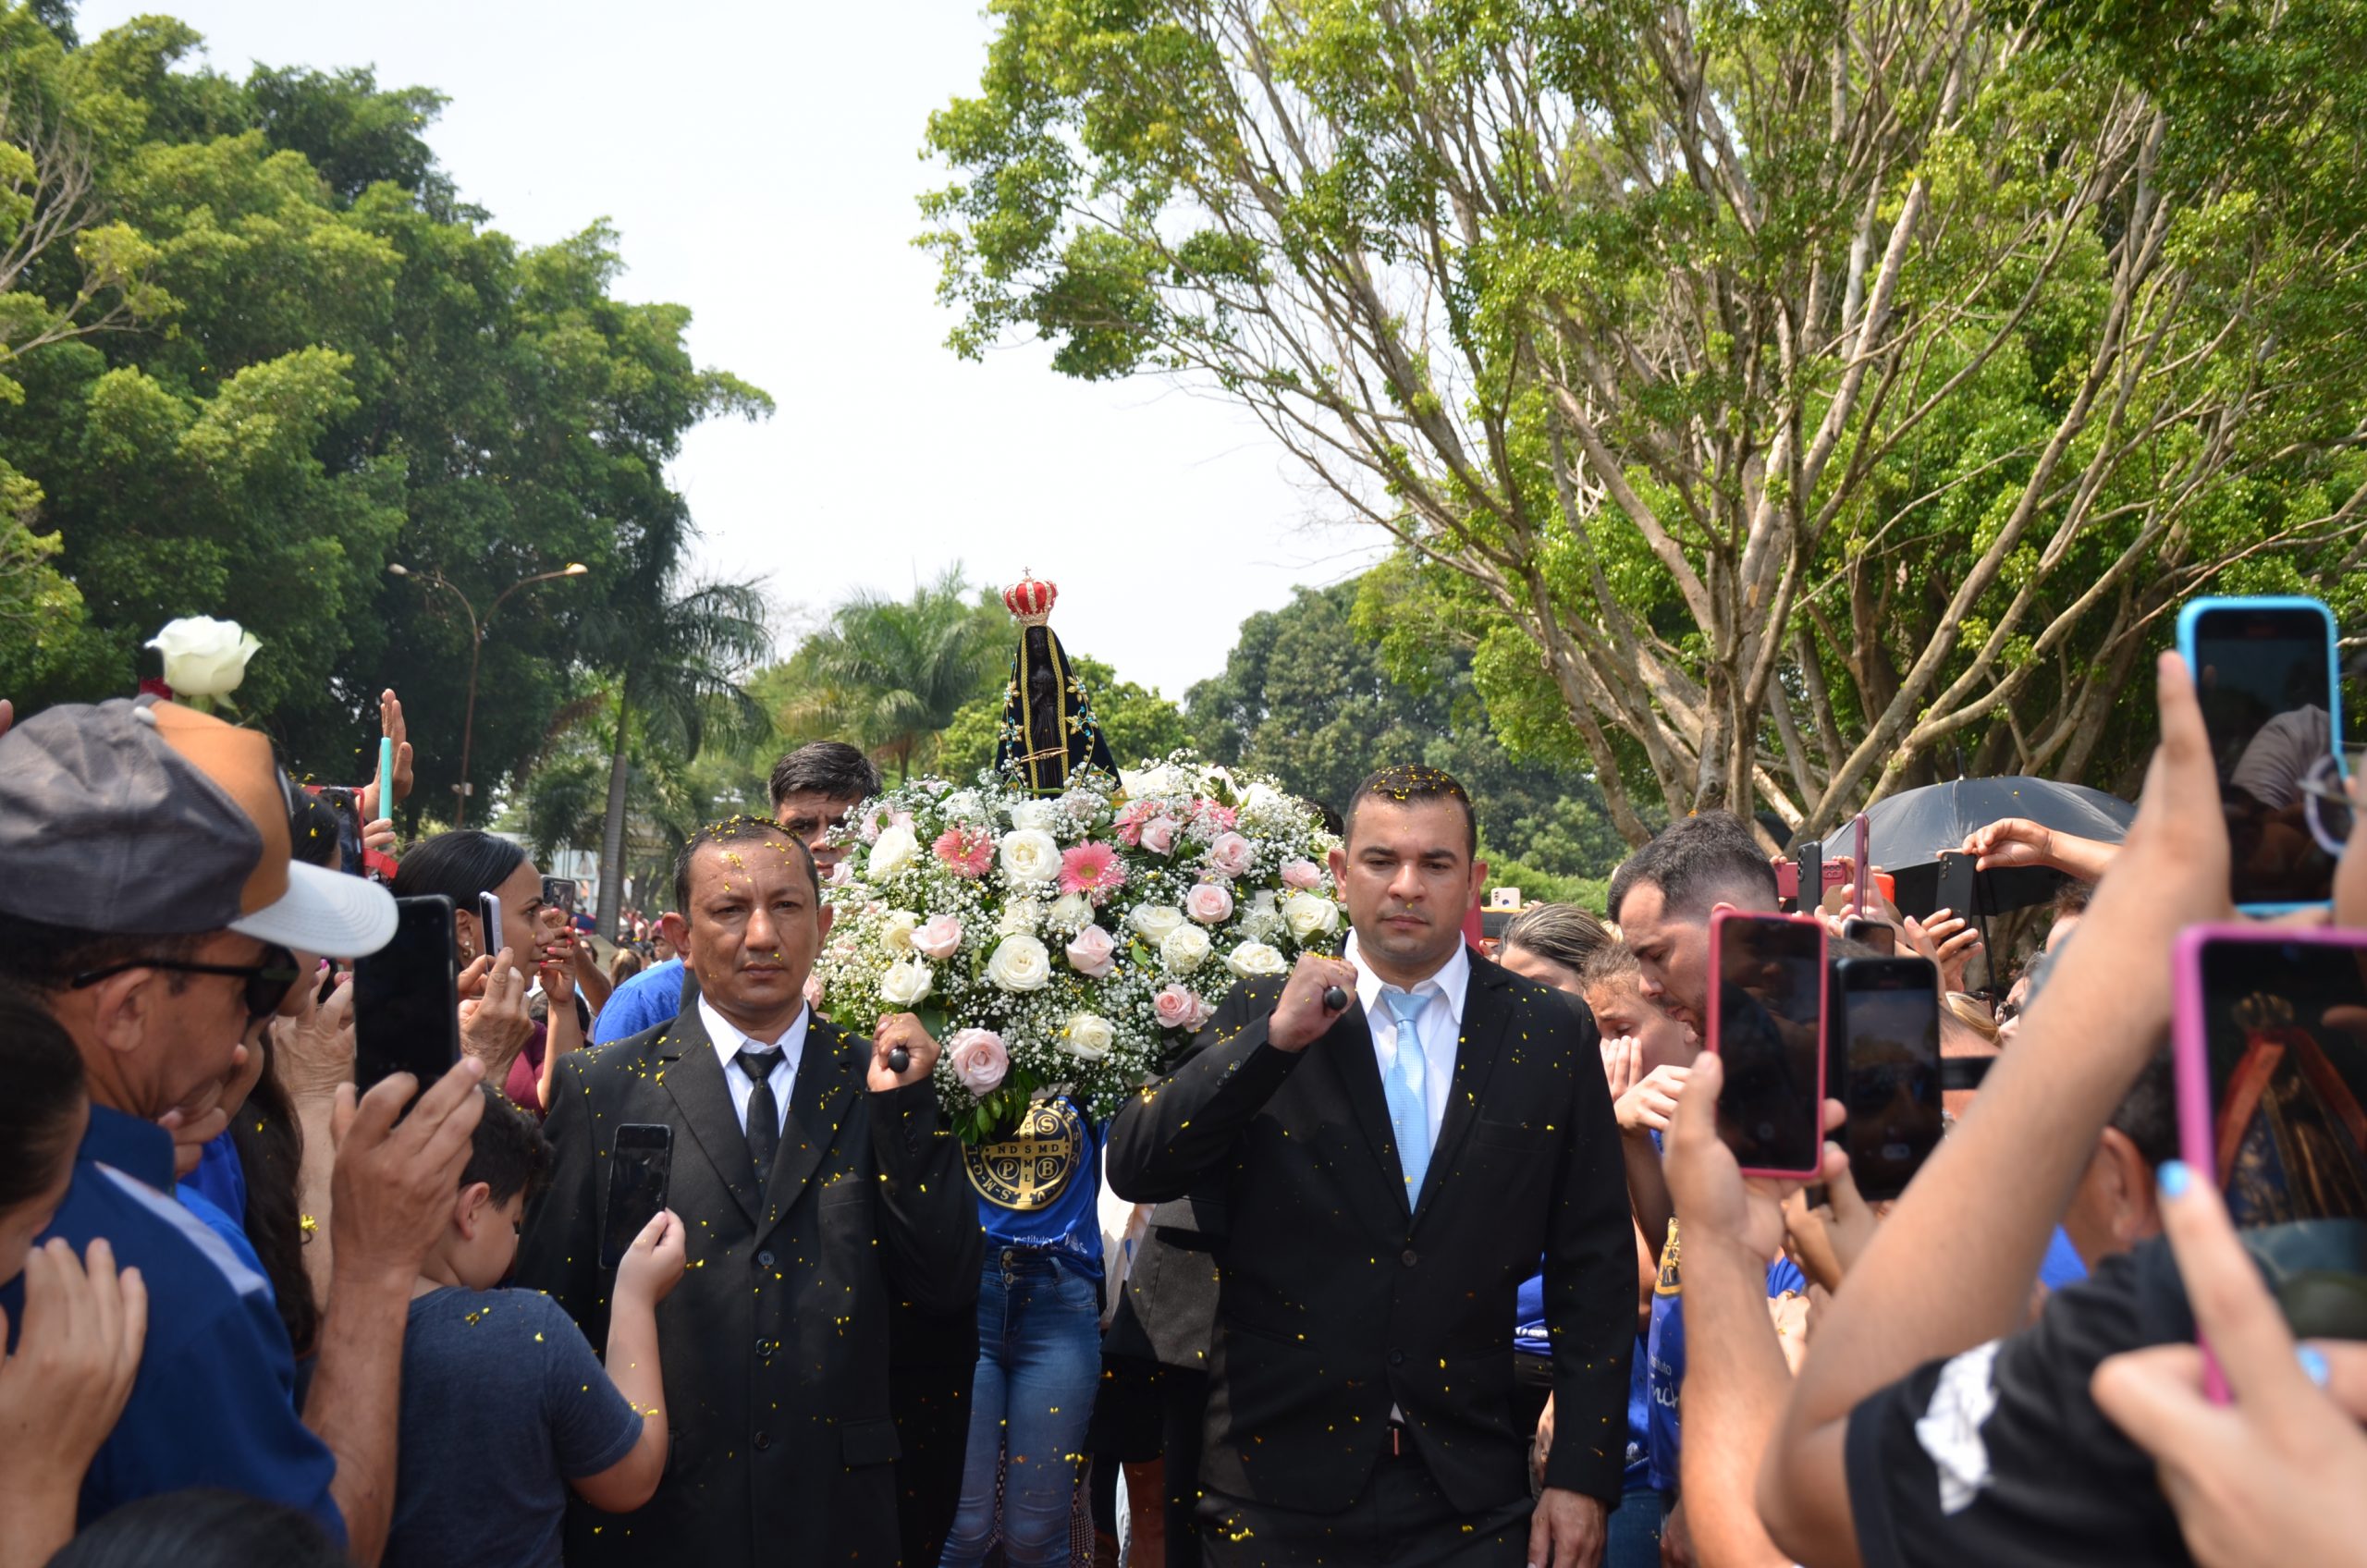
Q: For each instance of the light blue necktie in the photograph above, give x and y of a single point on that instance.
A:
(1408, 1089)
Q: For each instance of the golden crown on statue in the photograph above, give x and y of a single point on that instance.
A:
(1030, 600)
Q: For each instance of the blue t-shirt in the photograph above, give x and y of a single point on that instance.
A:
(232, 1234)
(1055, 1150)
(1529, 1338)
(1665, 1350)
(214, 1402)
(648, 1000)
(220, 1176)
(503, 1405)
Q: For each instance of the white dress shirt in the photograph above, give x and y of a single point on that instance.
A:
(730, 1042)
(1440, 1025)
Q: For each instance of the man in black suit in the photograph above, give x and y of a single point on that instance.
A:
(1390, 1172)
(815, 1184)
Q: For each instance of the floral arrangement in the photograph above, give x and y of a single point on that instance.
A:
(1067, 940)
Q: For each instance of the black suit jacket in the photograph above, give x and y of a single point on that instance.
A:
(1336, 1302)
(774, 1344)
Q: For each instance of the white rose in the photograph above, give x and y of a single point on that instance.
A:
(1185, 949)
(1155, 922)
(1029, 854)
(1035, 816)
(905, 984)
(1019, 917)
(1020, 963)
(1088, 1036)
(1261, 920)
(1070, 913)
(1309, 917)
(204, 657)
(896, 932)
(1258, 797)
(1255, 958)
(893, 853)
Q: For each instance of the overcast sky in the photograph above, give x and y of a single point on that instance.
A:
(760, 162)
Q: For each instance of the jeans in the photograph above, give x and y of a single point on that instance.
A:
(1040, 1360)
(1634, 1538)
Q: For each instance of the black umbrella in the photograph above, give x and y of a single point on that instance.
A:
(1909, 830)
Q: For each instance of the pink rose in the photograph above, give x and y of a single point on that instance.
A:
(1202, 1010)
(1208, 903)
(1159, 834)
(936, 937)
(1304, 875)
(814, 992)
(1178, 1009)
(966, 851)
(1093, 954)
(841, 873)
(1232, 853)
(979, 1059)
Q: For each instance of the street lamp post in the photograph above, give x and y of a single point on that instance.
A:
(464, 788)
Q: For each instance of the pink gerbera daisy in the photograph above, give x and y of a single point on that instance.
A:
(966, 852)
(1092, 868)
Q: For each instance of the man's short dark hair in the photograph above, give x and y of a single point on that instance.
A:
(42, 957)
(831, 769)
(1697, 861)
(507, 1152)
(2148, 1115)
(737, 830)
(1409, 782)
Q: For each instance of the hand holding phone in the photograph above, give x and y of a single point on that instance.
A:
(640, 1165)
(406, 998)
(1767, 1025)
(489, 923)
(1886, 1014)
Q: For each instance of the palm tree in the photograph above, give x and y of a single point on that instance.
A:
(678, 668)
(888, 674)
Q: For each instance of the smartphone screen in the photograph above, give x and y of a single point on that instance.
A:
(638, 1169)
(407, 997)
(1959, 884)
(560, 892)
(1879, 934)
(2264, 674)
(2282, 1030)
(347, 806)
(1888, 1013)
(1767, 1023)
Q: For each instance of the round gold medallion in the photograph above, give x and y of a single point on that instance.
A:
(1029, 1170)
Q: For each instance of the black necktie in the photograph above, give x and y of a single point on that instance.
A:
(764, 1112)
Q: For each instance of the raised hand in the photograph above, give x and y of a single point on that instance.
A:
(901, 1030)
(1300, 1016)
(494, 1025)
(1949, 940)
(390, 725)
(654, 1265)
(394, 1180)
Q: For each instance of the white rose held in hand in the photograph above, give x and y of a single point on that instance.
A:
(1210, 903)
(1020, 963)
(204, 657)
(936, 937)
(906, 983)
(893, 853)
(1088, 1036)
(977, 1059)
(1255, 958)
(1186, 948)
(1030, 856)
(1155, 922)
(1093, 954)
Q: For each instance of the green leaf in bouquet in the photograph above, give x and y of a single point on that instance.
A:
(935, 1021)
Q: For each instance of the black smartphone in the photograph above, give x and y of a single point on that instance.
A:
(1811, 860)
(489, 922)
(347, 806)
(2265, 672)
(1960, 883)
(1886, 1017)
(559, 893)
(1767, 1025)
(1879, 934)
(639, 1166)
(407, 997)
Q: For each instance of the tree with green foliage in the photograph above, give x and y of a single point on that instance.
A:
(888, 675)
(316, 362)
(1307, 697)
(1789, 400)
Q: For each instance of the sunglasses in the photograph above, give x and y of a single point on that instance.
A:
(268, 982)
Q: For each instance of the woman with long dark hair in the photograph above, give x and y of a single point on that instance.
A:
(518, 1053)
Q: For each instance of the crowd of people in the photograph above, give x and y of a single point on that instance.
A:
(1382, 1267)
